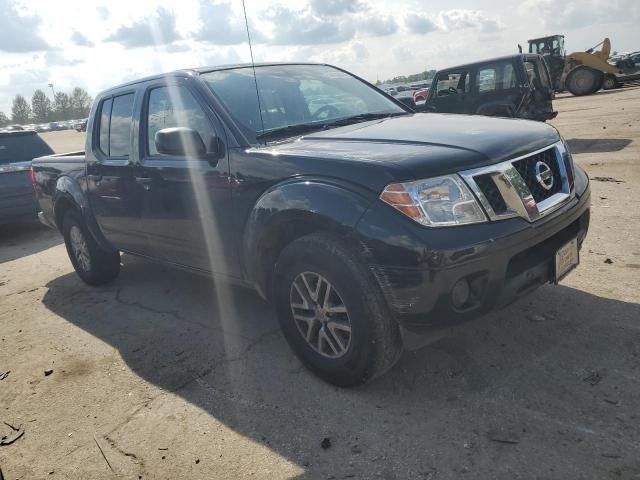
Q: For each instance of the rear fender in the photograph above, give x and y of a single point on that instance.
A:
(291, 210)
(69, 192)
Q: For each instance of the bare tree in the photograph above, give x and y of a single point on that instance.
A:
(4, 120)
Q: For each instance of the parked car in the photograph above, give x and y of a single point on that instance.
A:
(56, 126)
(81, 125)
(17, 200)
(366, 225)
(511, 86)
(14, 128)
(421, 95)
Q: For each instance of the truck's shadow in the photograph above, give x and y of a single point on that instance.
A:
(22, 239)
(219, 348)
(597, 145)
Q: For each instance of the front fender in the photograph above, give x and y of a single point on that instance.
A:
(289, 210)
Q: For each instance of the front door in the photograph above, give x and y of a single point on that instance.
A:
(186, 208)
(449, 92)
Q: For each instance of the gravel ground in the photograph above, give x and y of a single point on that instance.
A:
(164, 375)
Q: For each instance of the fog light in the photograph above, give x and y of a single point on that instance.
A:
(460, 293)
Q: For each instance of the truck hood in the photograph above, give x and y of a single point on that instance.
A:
(426, 144)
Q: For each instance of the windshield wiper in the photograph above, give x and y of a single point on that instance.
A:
(362, 117)
(291, 130)
(307, 127)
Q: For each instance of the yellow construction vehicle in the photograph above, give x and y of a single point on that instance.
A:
(582, 73)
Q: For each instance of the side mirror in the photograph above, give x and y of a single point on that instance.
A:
(180, 141)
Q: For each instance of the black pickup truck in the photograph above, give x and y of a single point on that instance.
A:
(365, 224)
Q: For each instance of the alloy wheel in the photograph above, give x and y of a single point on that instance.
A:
(80, 248)
(320, 315)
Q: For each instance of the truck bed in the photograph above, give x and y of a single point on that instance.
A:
(48, 170)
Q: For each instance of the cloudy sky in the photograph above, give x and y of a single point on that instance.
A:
(97, 44)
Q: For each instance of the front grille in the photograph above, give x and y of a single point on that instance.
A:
(527, 170)
(512, 188)
(491, 192)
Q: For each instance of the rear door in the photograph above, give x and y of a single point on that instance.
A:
(496, 89)
(449, 91)
(186, 206)
(114, 195)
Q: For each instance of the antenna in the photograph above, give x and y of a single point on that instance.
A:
(253, 65)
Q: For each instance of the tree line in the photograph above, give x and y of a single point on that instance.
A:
(416, 77)
(65, 106)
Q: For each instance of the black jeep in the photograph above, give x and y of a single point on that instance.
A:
(512, 86)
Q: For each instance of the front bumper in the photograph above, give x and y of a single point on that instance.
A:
(502, 261)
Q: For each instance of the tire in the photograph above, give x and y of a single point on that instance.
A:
(610, 82)
(583, 81)
(93, 264)
(373, 343)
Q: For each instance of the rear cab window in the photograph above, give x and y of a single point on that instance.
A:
(116, 122)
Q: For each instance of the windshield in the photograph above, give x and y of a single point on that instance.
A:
(293, 95)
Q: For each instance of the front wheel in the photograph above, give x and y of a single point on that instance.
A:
(332, 312)
(93, 264)
(584, 81)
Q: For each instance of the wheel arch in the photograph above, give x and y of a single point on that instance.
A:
(69, 196)
(290, 211)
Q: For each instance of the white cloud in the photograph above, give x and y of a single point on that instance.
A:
(19, 30)
(337, 7)
(158, 29)
(372, 38)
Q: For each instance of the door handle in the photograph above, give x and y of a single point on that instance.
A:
(145, 182)
(94, 178)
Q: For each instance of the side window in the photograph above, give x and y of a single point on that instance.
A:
(120, 129)
(486, 80)
(452, 83)
(496, 76)
(175, 106)
(103, 129)
(508, 77)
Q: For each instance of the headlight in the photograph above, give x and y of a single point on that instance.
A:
(435, 202)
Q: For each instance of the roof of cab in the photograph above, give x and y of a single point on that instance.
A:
(187, 72)
(489, 60)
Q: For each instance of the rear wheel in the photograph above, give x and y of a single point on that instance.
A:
(332, 313)
(610, 82)
(92, 263)
(584, 81)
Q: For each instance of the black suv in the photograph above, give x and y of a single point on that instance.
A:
(363, 222)
(513, 86)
